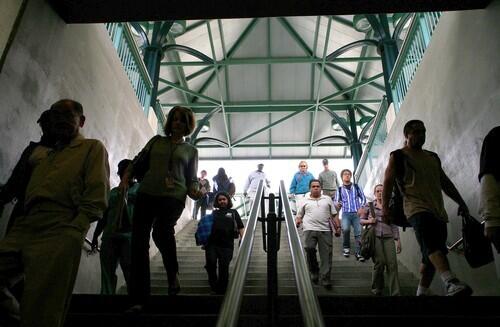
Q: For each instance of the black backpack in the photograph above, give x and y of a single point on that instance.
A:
(396, 208)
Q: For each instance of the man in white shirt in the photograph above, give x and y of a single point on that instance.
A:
(314, 214)
(252, 183)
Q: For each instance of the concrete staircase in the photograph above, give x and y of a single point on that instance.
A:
(349, 303)
(349, 277)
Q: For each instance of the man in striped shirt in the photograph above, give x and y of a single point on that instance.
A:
(350, 199)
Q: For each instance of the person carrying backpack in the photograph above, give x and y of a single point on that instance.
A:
(227, 226)
(423, 183)
(350, 198)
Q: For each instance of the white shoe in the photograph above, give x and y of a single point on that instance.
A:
(10, 305)
(457, 288)
(346, 253)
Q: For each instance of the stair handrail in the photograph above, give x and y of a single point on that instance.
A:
(230, 309)
(309, 304)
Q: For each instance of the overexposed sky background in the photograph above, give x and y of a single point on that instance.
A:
(276, 170)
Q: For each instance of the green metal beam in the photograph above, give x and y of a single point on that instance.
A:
(268, 106)
(343, 21)
(179, 70)
(183, 89)
(313, 54)
(352, 88)
(274, 145)
(271, 60)
(269, 87)
(230, 53)
(216, 70)
(279, 121)
(224, 53)
(188, 78)
(288, 27)
(353, 74)
(318, 93)
(195, 25)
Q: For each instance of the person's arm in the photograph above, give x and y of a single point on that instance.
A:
(364, 217)
(239, 223)
(300, 214)
(389, 180)
(449, 189)
(95, 195)
(247, 184)
(192, 183)
(293, 186)
(101, 223)
(336, 202)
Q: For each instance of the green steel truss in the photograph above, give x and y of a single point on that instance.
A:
(345, 105)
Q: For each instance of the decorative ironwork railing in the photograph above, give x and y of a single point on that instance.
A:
(411, 54)
(127, 50)
(374, 144)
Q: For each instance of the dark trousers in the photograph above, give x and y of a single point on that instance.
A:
(200, 204)
(114, 249)
(222, 256)
(159, 214)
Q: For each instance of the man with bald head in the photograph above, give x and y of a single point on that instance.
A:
(68, 190)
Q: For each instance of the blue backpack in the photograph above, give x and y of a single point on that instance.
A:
(204, 229)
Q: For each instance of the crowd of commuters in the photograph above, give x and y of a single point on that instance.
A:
(61, 184)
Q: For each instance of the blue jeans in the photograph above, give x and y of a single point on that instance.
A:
(348, 219)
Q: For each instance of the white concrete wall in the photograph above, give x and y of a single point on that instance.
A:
(8, 14)
(456, 92)
(50, 60)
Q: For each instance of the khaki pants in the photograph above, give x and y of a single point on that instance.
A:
(385, 256)
(46, 246)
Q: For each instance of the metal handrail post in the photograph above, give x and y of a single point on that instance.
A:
(230, 310)
(311, 311)
(272, 264)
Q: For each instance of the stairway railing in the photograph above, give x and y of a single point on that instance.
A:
(229, 312)
(411, 54)
(376, 139)
(311, 311)
(123, 41)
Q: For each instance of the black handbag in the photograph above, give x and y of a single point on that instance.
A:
(477, 248)
(141, 161)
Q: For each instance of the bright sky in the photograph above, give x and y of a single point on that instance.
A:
(276, 170)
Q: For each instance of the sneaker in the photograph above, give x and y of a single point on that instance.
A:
(135, 309)
(175, 288)
(359, 257)
(10, 305)
(376, 292)
(457, 288)
(346, 253)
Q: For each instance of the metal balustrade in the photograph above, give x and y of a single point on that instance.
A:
(411, 54)
(129, 54)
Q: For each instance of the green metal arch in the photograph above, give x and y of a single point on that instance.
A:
(350, 46)
(340, 121)
(332, 137)
(211, 140)
(190, 51)
(205, 119)
(401, 23)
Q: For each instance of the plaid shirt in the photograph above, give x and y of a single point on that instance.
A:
(204, 229)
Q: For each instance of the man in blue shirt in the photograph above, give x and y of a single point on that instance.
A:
(350, 198)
